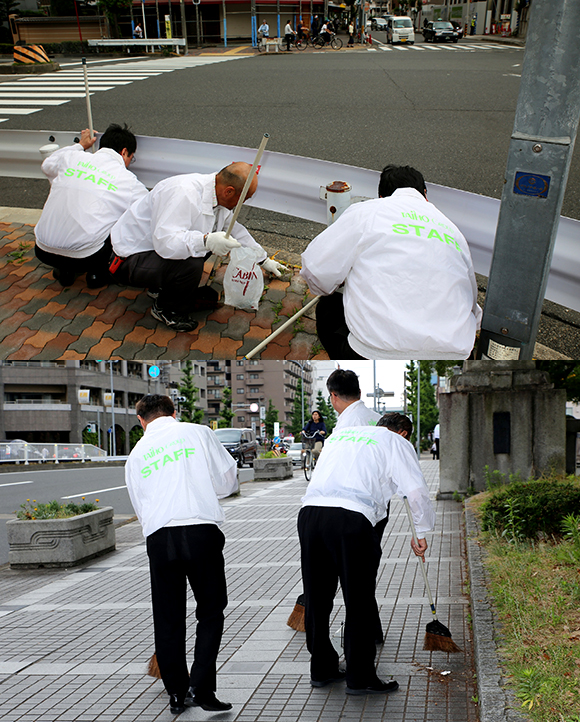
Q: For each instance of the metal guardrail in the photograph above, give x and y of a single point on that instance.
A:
(145, 42)
(21, 452)
(291, 184)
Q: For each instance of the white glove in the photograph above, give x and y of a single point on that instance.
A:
(273, 267)
(220, 245)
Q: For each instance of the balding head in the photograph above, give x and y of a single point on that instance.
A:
(229, 183)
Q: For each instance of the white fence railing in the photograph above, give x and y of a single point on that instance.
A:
(291, 184)
(21, 452)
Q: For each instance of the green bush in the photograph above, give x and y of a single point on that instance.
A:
(6, 49)
(54, 510)
(528, 509)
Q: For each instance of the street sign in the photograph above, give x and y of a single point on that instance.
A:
(254, 408)
(154, 371)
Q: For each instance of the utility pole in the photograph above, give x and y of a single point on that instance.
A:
(183, 26)
(540, 154)
(418, 409)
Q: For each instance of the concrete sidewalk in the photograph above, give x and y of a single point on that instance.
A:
(75, 644)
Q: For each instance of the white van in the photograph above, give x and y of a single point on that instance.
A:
(400, 30)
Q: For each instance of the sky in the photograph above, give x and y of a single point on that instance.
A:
(389, 378)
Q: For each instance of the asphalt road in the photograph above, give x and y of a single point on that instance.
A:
(106, 484)
(448, 113)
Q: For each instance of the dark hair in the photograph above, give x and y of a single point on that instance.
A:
(344, 384)
(154, 405)
(316, 411)
(400, 176)
(119, 137)
(396, 422)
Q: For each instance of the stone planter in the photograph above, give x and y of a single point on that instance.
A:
(60, 542)
(267, 469)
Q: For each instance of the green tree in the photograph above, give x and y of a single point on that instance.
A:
(429, 410)
(188, 389)
(296, 415)
(8, 7)
(134, 435)
(112, 9)
(226, 415)
(327, 412)
(564, 375)
(271, 418)
(90, 437)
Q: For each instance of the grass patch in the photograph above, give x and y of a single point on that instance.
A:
(53, 509)
(535, 587)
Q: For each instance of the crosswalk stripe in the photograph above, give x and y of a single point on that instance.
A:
(36, 101)
(20, 111)
(69, 82)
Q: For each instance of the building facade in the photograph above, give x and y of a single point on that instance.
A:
(59, 401)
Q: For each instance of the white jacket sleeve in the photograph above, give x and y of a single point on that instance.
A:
(52, 164)
(133, 492)
(172, 216)
(221, 465)
(330, 256)
(408, 477)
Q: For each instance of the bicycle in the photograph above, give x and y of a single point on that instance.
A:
(310, 458)
(335, 42)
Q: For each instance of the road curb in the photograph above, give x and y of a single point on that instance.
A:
(497, 703)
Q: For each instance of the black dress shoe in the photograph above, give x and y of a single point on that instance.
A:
(377, 687)
(65, 278)
(340, 676)
(95, 280)
(176, 704)
(208, 702)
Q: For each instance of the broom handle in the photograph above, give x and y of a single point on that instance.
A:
(88, 99)
(285, 325)
(247, 184)
(422, 565)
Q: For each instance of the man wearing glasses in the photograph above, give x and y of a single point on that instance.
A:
(89, 192)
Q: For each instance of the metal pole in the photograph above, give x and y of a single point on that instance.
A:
(113, 439)
(183, 25)
(541, 148)
(418, 409)
(302, 380)
(374, 385)
(197, 30)
(88, 99)
(226, 25)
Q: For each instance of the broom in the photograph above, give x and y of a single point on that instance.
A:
(437, 636)
(296, 619)
(153, 667)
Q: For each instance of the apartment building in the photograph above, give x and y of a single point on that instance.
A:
(55, 401)
(253, 383)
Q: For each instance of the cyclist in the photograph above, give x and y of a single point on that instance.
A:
(325, 31)
(315, 431)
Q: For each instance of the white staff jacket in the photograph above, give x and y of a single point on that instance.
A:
(176, 472)
(410, 289)
(89, 193)
(173, 219)
(360, 468)
(357, 414)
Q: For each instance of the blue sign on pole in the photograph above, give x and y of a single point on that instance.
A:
(154, 371)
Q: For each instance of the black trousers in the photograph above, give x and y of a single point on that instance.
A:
(97, 263)
(339, 544)
(177, 280)
(332, 329)
(177, 555)
(378, 531)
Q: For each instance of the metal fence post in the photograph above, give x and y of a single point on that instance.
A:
(541, 148)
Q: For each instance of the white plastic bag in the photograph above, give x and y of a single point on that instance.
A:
(243, 279)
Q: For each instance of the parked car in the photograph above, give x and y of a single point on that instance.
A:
(295, 453)
(440, 31)
(241, 443)
(400, 30)
(458, 28)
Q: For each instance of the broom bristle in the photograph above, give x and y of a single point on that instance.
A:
(296, 619)
(153, 667)
(439, 643)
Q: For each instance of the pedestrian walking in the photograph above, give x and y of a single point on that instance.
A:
(174, 476)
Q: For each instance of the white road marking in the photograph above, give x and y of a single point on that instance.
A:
(90, 493)
(16, 483)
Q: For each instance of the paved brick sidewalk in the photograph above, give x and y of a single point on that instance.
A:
(75, 644)
(40, 320)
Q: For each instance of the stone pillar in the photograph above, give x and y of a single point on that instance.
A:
(505, 415)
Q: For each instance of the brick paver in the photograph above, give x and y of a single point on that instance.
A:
(116, 321)
(75, 644)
